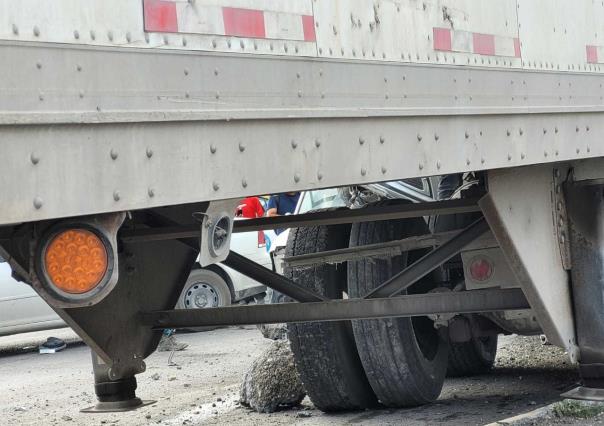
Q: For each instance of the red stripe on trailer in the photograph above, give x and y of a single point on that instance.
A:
(442, 39)
(308, 25)
(160, 16)
(243, 22)
(517, 52)
(592, 54)
(484, 44)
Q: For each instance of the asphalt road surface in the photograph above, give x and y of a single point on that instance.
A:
(203, 386)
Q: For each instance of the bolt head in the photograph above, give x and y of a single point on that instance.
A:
(213, 149)
(113, 154)
(241, 147)
(116, 195)
(294, 144)
(363, 171)
(244, 183)
(317, 142)
(215, 186)
(35, 158)
(296, 178)
(38, 202)
(151, 192)
(149, 153)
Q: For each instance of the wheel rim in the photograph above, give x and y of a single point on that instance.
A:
(202, 295)
(426, 336)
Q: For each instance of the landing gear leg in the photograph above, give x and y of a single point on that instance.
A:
(113, 395)
(585, 206)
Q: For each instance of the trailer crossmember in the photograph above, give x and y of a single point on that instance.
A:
(332, 217)
(343, 309)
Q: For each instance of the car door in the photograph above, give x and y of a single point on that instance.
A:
(21, 309)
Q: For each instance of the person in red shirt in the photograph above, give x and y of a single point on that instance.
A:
(250, 208)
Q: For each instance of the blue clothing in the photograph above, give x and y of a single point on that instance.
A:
(284, 203)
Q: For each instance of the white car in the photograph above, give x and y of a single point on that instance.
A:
(22, 310)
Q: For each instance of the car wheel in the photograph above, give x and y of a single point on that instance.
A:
(204, 289)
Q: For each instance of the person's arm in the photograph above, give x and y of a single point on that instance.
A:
(273, 204)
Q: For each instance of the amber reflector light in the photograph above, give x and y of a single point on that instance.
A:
(76, 261)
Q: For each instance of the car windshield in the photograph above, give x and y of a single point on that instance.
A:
(321, 199)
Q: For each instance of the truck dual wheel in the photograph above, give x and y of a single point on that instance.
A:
(405, 359)
(476, 356)
(325, 352)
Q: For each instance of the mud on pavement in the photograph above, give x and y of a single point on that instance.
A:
(203, 387)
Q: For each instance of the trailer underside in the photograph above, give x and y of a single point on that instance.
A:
(169, 136)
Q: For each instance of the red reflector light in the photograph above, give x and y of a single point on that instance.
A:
(481, 269)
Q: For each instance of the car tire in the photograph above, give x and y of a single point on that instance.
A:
(325, 352)
(405, 359)
(474, 357)
(204, 289)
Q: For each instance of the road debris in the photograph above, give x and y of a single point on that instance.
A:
(274, 331)
(272, 381)
(52, 345)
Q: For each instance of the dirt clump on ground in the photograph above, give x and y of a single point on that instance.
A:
(272, 382)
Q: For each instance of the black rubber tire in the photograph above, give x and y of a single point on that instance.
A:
(474, 357)
(325, 353)
(405, 359)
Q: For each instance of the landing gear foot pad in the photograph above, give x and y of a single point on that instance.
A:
(117, 406)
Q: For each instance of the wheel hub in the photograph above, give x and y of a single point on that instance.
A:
(202, 295)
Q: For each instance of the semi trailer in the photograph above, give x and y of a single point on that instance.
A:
(131, 129)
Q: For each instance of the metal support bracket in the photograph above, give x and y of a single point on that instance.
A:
(430, 261)
(216, 230)
(342, 309)
(373, 251)
(332, 217)
(271, 279)
(521, 213)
